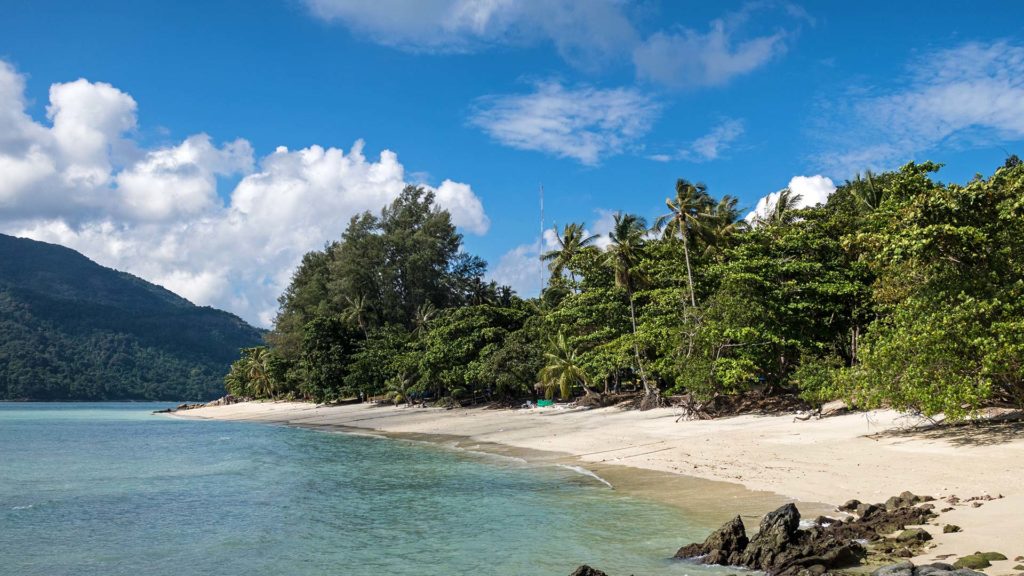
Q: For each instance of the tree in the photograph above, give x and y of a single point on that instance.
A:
(683, 220)
(624, 253)
(781, 210)
(562, 371)
(570, 242)
(356, 312)
(327, 344)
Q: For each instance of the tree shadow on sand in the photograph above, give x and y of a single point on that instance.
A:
(960, 434)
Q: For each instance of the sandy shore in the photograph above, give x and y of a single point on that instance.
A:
(864, 456)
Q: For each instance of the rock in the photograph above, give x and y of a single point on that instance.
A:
(723, 546)
(991, 556)
(944, 510)
(1018, 558)
(850, 506)
(973, 561)
(951, 528)
(587, 571)
(936, 568)
(901, 569)
(914, 535)
(778, 530)
(1019, 567)
(833, 408)
(867, 510)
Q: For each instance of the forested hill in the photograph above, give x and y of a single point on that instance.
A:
(71, 329)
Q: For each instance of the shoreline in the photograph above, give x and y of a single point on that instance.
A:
(715, 469)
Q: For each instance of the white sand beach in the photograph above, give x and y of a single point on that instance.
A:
(867, 456)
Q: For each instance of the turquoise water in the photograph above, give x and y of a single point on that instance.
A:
(109, 489)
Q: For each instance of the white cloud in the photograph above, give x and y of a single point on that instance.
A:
(585, 123)
(968, 95)
(687, 58)
(813, 190)
(582, 32)
(709, 146)
(157, 213)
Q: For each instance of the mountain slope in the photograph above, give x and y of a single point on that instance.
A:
(71, 329)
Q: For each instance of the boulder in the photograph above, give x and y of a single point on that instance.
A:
(770, 547)
(585, 570)
(850, 506)
(973, 562)
(901, 569)
(914, 535)
(723, 546)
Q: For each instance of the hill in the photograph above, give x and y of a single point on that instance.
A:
(71, 329)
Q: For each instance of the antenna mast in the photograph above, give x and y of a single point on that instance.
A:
(540, 245)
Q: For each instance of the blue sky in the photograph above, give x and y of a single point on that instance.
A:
(209, 144)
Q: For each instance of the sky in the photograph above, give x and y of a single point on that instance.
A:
(206, 146)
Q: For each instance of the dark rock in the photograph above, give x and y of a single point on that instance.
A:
(850, 506)
(951, 528)
(937, 568)
(723, 546)
(868, 510)
(992, 556)
(769, 548)
(587, 571)
(901, 569)
(1019, 567)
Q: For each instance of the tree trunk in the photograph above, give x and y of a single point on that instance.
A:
(689, 273)
(651, 398)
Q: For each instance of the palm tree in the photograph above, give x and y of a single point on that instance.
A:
(720, 223)
(425, 313)
(563, 370)
(683, 220)
(570, 242)
(357, 312)
(257, 371)
(781, 211)
(867, 191)
(627, 238)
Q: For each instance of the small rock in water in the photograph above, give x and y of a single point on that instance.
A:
(585, 570)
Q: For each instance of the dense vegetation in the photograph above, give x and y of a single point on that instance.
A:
(73, 330)
(900, 290)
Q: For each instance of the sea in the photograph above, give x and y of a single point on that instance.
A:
(113, 489)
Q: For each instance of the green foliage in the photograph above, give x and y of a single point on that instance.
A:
(73, 330)
(327, 344)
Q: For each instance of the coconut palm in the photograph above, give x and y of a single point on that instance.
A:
(781, 210)
(357, 311)
(257, 372)
(627, 238)
(425, 313)
(571, 240)
(719, 225)
(683, 220)
(868, 192)
(563, 370)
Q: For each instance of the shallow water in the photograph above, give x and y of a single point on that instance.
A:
(110, 489)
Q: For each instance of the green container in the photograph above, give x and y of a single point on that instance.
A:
(543, 403)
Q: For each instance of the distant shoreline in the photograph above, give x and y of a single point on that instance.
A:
(864, 456)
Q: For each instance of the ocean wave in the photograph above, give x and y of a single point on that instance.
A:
(25, 507)
(585, 472)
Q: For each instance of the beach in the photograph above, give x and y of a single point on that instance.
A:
(754, 461)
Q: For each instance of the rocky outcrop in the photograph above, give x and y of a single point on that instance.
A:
(780, 547)
(585, 570)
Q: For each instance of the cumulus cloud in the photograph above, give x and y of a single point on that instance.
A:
(83, 182)
(813, 190)
(688, 58)
(709, 146)
(584, 123)
(969, 95)
(582, 32)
